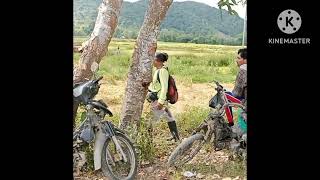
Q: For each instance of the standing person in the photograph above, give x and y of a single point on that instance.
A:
(118, 51)
(240, 91)
(240, 88)
(157, 95)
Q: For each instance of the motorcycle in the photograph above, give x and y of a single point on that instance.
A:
(114, 152)
(214, 130)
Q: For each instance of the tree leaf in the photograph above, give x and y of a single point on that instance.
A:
(233, 12)
(220, 3)
(223, 4)
(229, 9)
(234, 2)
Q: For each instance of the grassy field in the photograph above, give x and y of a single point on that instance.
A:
(188, 63)
(194, 66)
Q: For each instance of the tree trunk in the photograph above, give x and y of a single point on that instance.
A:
(96, 47)
(140, 72)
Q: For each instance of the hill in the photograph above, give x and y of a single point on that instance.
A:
(185, 22)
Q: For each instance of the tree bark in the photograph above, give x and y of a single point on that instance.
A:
(140, 72)
(94, 49)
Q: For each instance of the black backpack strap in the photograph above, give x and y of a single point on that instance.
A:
(158, 76)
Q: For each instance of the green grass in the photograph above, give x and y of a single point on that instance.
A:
(191, 118)
(188, 62)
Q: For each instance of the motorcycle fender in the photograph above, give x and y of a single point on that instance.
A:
(98, 146)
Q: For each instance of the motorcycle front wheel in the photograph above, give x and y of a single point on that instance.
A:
(185, 151)
(113, 164)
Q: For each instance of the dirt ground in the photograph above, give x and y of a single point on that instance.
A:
(112, 93)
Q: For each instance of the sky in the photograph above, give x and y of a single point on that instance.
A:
(241, 10)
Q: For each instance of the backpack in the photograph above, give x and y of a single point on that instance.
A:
(172, 94)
